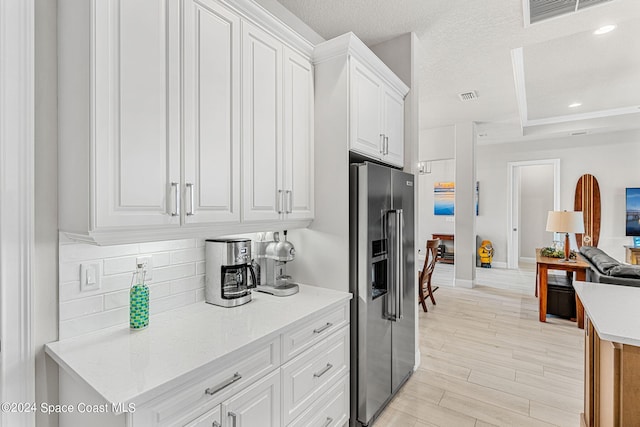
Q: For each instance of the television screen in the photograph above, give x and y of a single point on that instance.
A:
(633, 211)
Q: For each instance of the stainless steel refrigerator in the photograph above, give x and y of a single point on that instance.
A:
(382, 280)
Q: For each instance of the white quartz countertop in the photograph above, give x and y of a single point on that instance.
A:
(614, 310)
(134, 366)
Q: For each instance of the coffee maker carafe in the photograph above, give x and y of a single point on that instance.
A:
(228, 267)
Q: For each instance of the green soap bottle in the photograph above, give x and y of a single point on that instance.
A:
(138, 300)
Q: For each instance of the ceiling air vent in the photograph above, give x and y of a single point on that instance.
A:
(468, 96)
(540, 10)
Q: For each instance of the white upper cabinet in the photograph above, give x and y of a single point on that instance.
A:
(298, 137)
(173, 121)
(375, 98)
(136, 155)
(393, 107)
(366, 111)
(261, 124)
(211, 105)
(277, 134)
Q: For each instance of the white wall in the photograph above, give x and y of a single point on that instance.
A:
(536, 200)
(45, 256)
(428, 223)
(612, 158)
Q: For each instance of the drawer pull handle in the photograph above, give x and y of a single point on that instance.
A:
(322, 329)
(216, 424)
(213, 390)
(323, 371)
(328, 422)
(234, 418)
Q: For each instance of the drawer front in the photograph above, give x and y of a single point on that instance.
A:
(210, 388)
(331, 410)
(297, 340)
(308, 376)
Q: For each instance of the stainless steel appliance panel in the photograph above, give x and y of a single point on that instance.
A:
(403, 329)
(374, 340)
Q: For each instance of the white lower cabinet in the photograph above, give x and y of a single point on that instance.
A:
(210, 419)
(331, 410)
(258, 405)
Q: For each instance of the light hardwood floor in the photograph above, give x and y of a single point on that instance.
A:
(486, 360)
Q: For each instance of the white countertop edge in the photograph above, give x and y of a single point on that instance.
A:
(196, 371)
(595, 315)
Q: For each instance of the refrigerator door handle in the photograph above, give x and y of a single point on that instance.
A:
(399, 267)
(389, 231)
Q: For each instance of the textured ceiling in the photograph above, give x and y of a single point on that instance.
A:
(466, 45)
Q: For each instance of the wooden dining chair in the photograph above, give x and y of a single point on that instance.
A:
(424, 276)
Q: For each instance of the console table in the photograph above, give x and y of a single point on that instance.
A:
(445, 238)
(543, 265)
(632, 255)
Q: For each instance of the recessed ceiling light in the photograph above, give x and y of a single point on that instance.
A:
(575, 104)
(604, 30)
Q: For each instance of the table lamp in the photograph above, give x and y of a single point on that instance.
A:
(565, 222)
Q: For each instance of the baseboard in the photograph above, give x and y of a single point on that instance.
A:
(527, 259)
(463, 283)
(499, 264)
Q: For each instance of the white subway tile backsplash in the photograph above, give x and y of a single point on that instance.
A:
(178, 279)
(170, 245)
(201, 267)
(116, 300)
(172, 301)
(93, 322)
(85, 252)
(187, 255)
(161, 259)
(189, 284)
(80, 307)
(119, 265)
(173, 272)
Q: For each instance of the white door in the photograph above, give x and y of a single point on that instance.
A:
(136, 113)
(211, 96)
(394, 128)
(257, 405)
(263, 193)
(210, 419)
(366, 134)
(298, 136)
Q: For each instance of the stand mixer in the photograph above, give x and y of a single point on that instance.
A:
(272, 258)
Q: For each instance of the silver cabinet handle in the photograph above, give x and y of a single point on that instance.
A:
(280, 201)
(323, 328)
(289, 201)
(382, 143)
(176, 198)
(234, 418)
(192, 210)
(386, 144)
(323, 371)
(400, 262)
(213, 390)
(328, 422)
(216, 424)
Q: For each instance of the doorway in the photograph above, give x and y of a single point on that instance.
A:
(534, 190)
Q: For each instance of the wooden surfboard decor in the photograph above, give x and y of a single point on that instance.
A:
(587, 200)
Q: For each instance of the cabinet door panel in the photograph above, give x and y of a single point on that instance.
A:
(298, 136)
(257, 405)
(366, 111)
(211, 113)
(394, 127)
(261, 128)
(131, 113)
(210, 419)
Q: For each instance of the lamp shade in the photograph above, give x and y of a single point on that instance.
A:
(565, 222)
